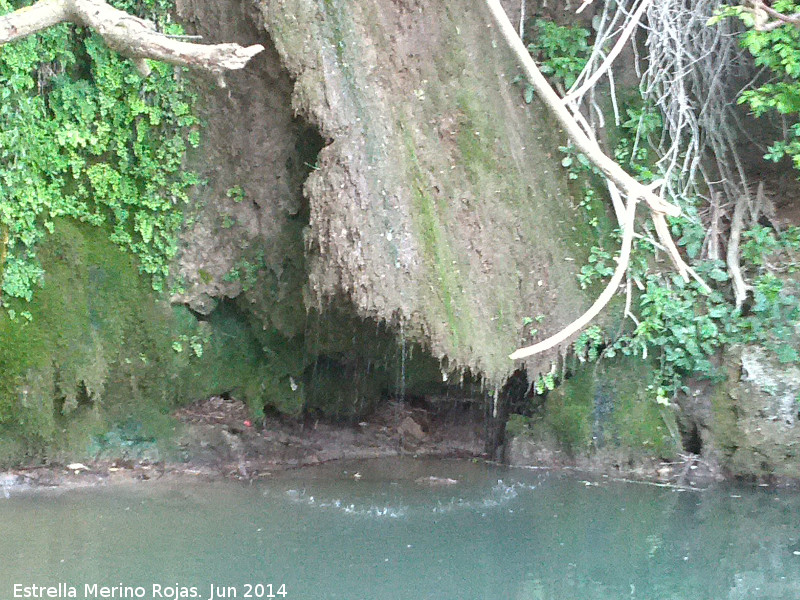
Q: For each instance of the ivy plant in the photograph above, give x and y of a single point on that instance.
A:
(562, 51)
(84, 136)
(778, 50)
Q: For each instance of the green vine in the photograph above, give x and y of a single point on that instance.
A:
(778, 50)
(84, 136)
(676, 325)
(561, 51)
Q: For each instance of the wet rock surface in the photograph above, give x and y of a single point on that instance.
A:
(754, 427)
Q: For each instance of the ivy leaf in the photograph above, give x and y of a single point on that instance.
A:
(529, 92)
(718, 274)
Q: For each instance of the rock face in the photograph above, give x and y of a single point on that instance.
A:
(754, 416)
(438, 202)
(380, 208)
(376, 183)
(777, 385)
(744, 426)
(249, 216)
(601, 417)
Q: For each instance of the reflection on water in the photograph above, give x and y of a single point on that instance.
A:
(369, 530)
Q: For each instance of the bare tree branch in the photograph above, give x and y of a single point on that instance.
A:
(30, 19)
(739, 287)
(129, 35)
(609, 60)
(779, 18)
(627, 184)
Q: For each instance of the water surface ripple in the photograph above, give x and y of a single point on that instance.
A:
(376, 530)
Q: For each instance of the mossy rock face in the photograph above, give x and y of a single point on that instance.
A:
(439, 201)
(606, 408)
(98, 346)
(435, 219)
(99, 352)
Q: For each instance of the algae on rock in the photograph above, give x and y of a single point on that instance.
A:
(604, 412)
(99, 349)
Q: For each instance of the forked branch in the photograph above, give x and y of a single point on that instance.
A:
(778, 19)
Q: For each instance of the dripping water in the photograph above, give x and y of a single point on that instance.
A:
(401, 388)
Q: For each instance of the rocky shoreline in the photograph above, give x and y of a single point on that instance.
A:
(217, 441)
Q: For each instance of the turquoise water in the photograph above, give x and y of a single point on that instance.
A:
(324, 533)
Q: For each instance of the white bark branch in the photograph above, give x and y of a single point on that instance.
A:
(129, 35)
(779, 18)
(609, 60)
(602, 299)
(627, 184)
(734, 268)
(30, 19)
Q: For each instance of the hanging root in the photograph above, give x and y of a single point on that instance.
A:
(602, 300)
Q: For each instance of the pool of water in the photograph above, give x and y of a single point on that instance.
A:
(369, 530)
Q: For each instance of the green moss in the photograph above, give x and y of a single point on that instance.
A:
(432, 231)
(640, 424)
(724, 426)
(609, 407)
(476, 139)
(517, 426)
(437, 253)
(83, 321)
(568, 414)
(100, 348)
(205, 276)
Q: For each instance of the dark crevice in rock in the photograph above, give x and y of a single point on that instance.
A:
(691, 439)
(512, 394)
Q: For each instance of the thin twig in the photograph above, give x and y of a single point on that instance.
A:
(621, 42)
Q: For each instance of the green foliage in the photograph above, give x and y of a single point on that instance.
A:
(561, 52)
(545, 383)
(633, 149)
(677, 328)
(83, 135)
(683, 327)
(779, 51)
(246, 271)
(195, 343)
(679, 325)
(236, 193)
(589, 344)
(600, 265)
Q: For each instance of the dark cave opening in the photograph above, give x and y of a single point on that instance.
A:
(692, 440)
